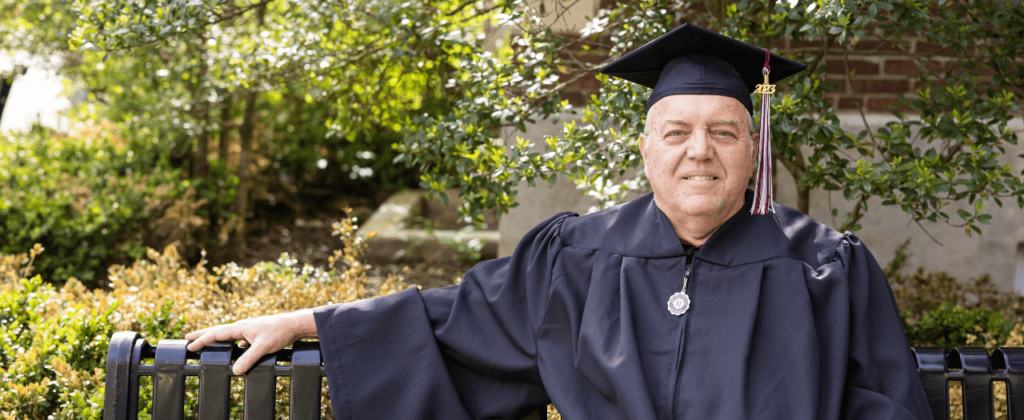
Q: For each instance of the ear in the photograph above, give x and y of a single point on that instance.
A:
(641, 142)
(755, 143)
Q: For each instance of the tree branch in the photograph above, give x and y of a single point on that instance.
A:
(201, 26)
(860, 106)
(821, 54)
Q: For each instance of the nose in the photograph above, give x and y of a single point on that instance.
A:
(700, 147)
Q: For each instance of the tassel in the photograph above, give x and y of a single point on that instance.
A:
(763, 196)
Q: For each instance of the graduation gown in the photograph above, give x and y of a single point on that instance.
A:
(789, 320)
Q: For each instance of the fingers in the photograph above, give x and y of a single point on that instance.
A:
(220, 333)
(248, 359)
(194, 334)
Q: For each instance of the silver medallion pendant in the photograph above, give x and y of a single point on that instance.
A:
(678, 303)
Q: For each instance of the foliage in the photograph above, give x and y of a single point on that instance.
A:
(53, 348)
(85, 195)
(923, 164)
(938, 310)
(919, 292)
(165, 67)
(54, 341)
(949, 326)
(335, 83)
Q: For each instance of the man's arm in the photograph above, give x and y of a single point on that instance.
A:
(264, 335)
(882, 380)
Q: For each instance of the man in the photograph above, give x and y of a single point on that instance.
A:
(678, 305)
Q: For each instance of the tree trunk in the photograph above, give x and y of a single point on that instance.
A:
(245, 138)
(5, 90)
(216, 254)
(803, 199)
(201, 161)
(226, 124)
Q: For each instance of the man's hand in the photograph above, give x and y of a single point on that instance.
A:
(264, 335)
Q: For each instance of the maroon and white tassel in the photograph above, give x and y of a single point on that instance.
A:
(763, 203)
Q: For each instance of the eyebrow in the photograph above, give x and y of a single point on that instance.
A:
(727, 121)
(676, 122)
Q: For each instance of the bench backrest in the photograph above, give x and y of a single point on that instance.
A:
(972, 366)
(127, 350)
(977, 372)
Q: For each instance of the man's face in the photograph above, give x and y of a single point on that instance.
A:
(698, 155)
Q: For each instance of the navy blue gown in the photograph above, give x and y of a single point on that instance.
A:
(789, 320)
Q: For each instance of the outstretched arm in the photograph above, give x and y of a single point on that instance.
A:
(264, 335)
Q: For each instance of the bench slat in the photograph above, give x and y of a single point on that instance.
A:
(119, 368)
(260, 387)
(977, 381)
(931, 365)
(169, 379)
(1013, 361)
(304, 401)
(215, 382)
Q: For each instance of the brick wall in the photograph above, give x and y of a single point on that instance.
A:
(882, 70)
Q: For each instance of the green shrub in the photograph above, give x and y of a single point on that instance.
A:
(53, 341)
(86, 197)
(949, 326)
(53, 353)
(939, 310)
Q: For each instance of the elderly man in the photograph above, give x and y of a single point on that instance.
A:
(681, 304)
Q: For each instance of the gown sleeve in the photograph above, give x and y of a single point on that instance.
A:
(461, 352)
(882, 381)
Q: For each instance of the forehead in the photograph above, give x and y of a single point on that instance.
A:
(698, 108)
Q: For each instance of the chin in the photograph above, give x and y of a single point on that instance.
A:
(699, 205)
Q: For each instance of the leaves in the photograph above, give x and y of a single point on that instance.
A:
(419, 79)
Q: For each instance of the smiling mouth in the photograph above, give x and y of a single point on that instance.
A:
(701, 178)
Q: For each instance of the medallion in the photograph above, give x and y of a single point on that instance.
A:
(678, 303)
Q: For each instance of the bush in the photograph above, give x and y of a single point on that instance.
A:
(54, 340)
(87, 198)
(938, 310)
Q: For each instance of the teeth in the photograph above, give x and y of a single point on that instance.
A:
(701, 178)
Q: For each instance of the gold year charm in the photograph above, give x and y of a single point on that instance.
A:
(765, 88)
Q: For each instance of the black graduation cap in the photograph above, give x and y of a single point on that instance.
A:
(693, 60)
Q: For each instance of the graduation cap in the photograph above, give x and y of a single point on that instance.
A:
(696, 61)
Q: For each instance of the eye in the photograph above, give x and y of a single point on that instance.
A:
(724, 133)
(675, 133)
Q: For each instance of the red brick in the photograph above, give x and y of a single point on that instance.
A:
(803, 43)
(909, 67)
(587, 82)
(872, 27)
(576, 99)
(924, 47)
(840, 84)
(900, 67)
(847, 102)
(884, 104)
(880, 46)
(859, 67)
(881, 86)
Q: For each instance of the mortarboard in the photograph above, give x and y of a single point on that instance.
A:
(696, 61)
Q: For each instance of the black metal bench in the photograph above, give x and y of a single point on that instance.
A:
(977, 371)
(972, 366)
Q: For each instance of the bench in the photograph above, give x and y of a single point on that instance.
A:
(973, 367)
